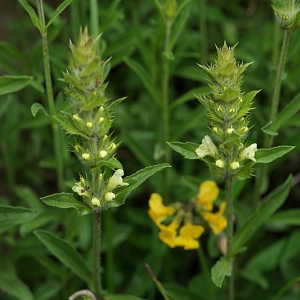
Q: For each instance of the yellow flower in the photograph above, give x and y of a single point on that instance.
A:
(208, 193)
(168, 233)
(188, 235)
(216, 221)
(158, 212)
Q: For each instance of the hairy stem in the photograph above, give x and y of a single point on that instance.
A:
(49, 90)
(229, 254)
(97, 254)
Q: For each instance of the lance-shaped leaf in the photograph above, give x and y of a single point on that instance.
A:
(262, 214)
(66, 200)
(68, 126)
(268, 155)
(133, 182)
(11, 216)
(35, 107)
(11, 84)
(58, 11)
(221, 269)
(66, 253)
(188, 150)
(33, 16)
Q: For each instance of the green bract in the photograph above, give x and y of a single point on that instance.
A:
(229, 114)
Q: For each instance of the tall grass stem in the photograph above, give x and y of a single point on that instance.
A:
(50, 98)
(262, 171)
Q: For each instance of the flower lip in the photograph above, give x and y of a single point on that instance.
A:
(249, 152)
(207, 148)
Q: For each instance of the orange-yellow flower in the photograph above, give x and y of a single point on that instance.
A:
(188, 235)
(216, 221)
(158, 212)
(208, 193)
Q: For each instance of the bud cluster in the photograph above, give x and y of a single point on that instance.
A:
(90, 118)
(229, 117)
(287, 13)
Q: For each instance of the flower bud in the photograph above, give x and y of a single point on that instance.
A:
(234, 165)
(95, 201)
(220, 163)
(109, 196)
(103, 153)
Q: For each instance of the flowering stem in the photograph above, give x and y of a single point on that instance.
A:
(229, 209)
(207, 277)
(49, 89)
(97, 253)
(262, 172)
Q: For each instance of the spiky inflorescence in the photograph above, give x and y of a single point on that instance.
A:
(90, 115)
(229, 116)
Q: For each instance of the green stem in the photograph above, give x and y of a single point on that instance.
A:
(229, 255)
(49, 90)
(206, 273)
(165, 104)
(262, 171)
(97, 253)
(109, 258)
(94, 18)
(165, 90)
(278, 81)
(203, 30)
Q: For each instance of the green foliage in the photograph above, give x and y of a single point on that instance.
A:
(148, 66)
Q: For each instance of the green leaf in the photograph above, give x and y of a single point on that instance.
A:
(113, 163)
(221, 269)
(246, 104)
(267, 155)
(169, 55)
(58, 11)
(277, 253)
(12, 285)
(33, 16)
(68, 126)
(188, 150)
(11, 84)
(109, 296)
(12, 215)
(65, 252)
(286, 217)
(266, 129)
(179, 27)
(145, 78)
(36, 107)
(262, 214)
(133, 182)
(288, 111)
(65, 200)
